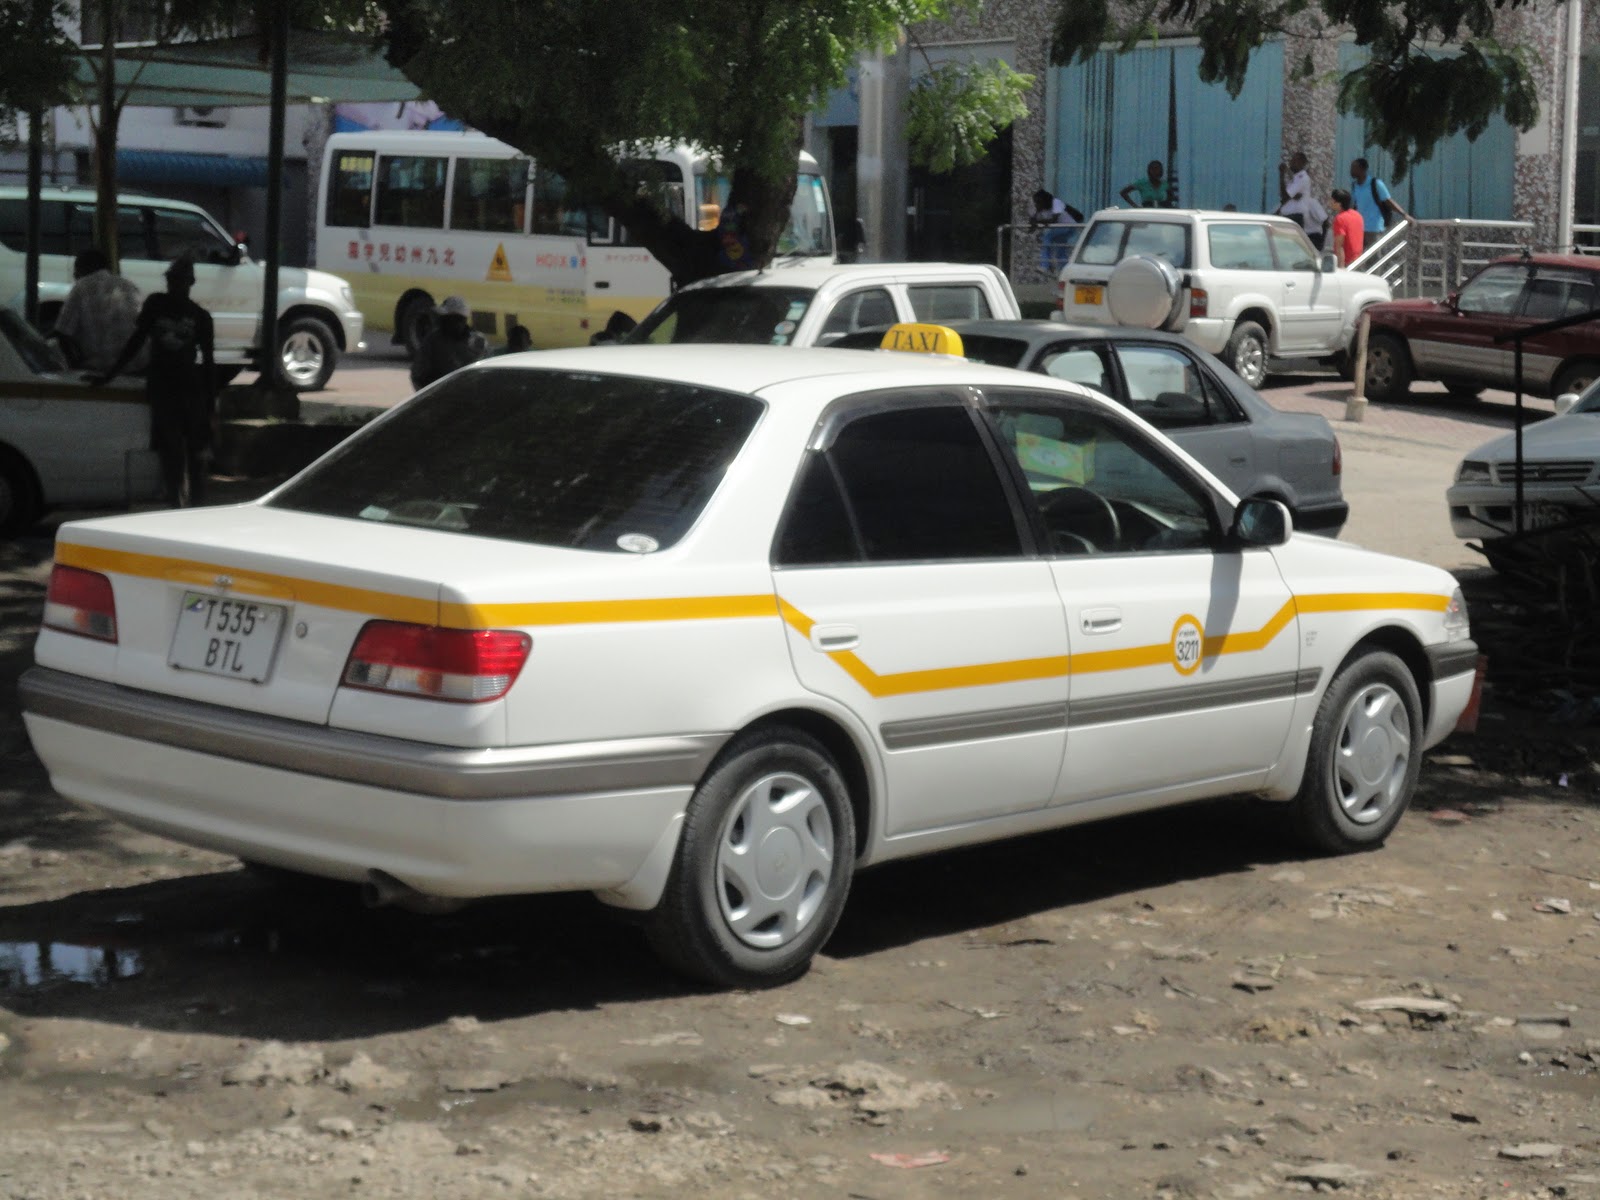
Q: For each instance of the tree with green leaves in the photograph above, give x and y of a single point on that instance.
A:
(583, 86)
(1410, 95)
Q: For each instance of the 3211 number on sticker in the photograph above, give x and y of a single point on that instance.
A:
(1187, 645)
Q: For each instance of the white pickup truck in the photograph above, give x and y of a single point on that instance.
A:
(817, 305)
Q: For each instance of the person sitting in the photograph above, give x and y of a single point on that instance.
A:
(99, 314)
(451, 344)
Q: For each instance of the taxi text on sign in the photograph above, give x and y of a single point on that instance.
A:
(923, 339)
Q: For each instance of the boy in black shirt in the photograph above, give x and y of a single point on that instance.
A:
(182, 398)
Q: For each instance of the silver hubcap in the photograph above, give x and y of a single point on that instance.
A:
(1369, 764)
(302, 357)
(774, 860)
(1250, 362)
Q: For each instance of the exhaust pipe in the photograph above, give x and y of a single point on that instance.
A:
(382, 890)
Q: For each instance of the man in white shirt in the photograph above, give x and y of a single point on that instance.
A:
(1299, 201)
(99, 313)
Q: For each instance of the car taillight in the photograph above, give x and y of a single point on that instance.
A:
(81, 602)
(467, 666)
(1199, 301)
(1061, 296)
(1338, 458)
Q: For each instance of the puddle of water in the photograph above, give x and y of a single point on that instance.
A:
(28, 966)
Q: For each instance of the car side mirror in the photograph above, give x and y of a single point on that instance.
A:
(1261, 522)
(1328, 265)
(1453, 300)
(1565, 403)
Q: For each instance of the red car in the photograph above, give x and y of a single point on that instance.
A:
(1453, 341)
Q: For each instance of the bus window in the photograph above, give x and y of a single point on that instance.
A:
(809, 232)
(411, 191)
(490, 195)
(552, 214)
(656, 181)
(350, 190)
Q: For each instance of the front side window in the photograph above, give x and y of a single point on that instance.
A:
(411, 191)
(350, 189)
(748, 316)
(1292, 248)
(590, 462)
(1099, 486)
(179, 232)
(1167, 388)
(489, 195)
(817, 530)
(1240, 248)
(949, 302)
(869, 308)
(1494, 291)
(920, 485)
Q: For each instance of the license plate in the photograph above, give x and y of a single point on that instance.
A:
(1543, 516)
(219, 635)
(1086, 295)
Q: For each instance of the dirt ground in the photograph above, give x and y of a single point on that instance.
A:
(1174, 1005)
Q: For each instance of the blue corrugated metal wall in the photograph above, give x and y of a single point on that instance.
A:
(1461, 179)
(1107, 118)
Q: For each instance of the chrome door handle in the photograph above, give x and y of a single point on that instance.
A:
(1100, 620)
(829, 638)
(1289, 286)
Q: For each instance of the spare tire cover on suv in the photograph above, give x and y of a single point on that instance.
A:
(1144, 291)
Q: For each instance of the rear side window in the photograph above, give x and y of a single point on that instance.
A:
(350, 189)
(14, 226)
(132, 236)
(920, 485)
(411, 191)
(1554, 293)
(1240, 248)
(949, 302)
(592, 462)
(816, 529)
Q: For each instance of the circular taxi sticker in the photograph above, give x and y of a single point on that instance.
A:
(1187, 639)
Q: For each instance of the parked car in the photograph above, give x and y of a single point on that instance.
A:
(317, 315)
(817, 305)
(705, 630)
(62, 441)
(1560, 475)
(1248, 288)
(1453, 340)
(1188, 395)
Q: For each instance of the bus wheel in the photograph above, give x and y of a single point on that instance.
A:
(416, 318)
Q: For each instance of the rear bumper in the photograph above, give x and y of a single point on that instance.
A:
(446, 821)
(1324, 519)
(1209, 333)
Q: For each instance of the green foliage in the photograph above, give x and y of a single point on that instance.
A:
(954, 112)
(35, 62)
(1410, 94)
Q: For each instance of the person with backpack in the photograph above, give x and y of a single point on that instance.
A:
(1377, 207)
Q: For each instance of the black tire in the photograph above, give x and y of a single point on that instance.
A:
(692, 928)
(1574, 377)
(1246, 353)
(1373, 700)
(1464, 391)
(19, 494)
(1389, 372)
(413, 322)
(307, 354)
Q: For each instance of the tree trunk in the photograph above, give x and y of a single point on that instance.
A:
(105, 140)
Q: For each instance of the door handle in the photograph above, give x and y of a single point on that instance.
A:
(1238, 460)
(830, 638)
(1100, 620)
(602, 283)
(1288, 286)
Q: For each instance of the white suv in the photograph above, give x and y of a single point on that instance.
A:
(1244, 286)
(317, 315)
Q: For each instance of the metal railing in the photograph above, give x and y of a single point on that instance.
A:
(1433, 258)
(1034, 254)
(1586, 239)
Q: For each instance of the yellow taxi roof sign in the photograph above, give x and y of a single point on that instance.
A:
(923, 339)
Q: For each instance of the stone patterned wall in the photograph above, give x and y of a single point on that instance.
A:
(1538, 172)
(1310, 115)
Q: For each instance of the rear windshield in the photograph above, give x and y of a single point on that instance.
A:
(1109, 242)
(751, 316)
(594, 462)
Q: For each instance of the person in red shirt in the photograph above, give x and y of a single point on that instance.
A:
(1347, 228)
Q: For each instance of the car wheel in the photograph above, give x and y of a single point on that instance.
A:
(416, 319)
(1366, 751)
(19, 495)
(764, 864)
(307, 353)
(1576, 377)
(1388, 367)
(1246, 353)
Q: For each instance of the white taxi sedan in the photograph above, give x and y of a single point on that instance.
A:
(706, 629)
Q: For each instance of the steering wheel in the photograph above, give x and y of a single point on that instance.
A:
(1076, 514)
